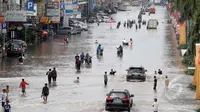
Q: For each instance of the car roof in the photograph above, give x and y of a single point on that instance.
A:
(119, 90)
(136, 67)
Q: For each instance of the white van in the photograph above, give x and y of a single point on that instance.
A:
(152, 24)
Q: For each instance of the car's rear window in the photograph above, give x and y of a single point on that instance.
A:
(136, 70)
(118, 94)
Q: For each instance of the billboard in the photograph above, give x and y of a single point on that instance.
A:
(18, 16)
(182, 39)
(52, 9)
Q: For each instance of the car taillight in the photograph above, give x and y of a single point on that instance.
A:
(126, 99)
(19, 49)
(109, 99)
(8, 49)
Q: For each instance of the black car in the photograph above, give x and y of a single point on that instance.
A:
(119, 100)
(15, 47)
(136, 73)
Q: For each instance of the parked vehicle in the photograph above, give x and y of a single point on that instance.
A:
(44, 34)
(119, 100)
(136, 73)
(15, 47)
(82, 25)
(152, 24)
(92, 20)
(77, 29)
(106, 18)
(152, 10)
(67, 31)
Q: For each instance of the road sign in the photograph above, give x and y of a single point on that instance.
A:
(74, 1)
(29, 5)
(4, 26)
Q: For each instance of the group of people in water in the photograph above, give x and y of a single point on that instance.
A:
(83, 58)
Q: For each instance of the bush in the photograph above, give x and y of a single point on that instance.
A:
(189, 72)
(192, 87)
(182, 46)
(198, 110)
(188, 60)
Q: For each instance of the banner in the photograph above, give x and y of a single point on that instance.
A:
(196, 79)
(182, 38)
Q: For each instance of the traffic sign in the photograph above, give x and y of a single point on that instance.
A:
(29, 5)
(74, 1)
(4, 26)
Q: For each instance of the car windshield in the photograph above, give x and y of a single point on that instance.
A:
(135, 70)
(118, 94)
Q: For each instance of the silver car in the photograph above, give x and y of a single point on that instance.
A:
(67, 31)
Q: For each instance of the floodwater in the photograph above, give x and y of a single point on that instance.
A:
(152, 49)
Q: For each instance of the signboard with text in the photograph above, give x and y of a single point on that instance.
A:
(52, 9)
(18, 16)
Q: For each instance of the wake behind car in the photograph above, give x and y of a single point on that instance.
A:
(136, 73)
(119, 100)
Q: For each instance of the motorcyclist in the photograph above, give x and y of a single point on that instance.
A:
(82, 57)
(98, 48)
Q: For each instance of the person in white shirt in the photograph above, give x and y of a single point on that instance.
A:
(4, 98)
(124, 41)
(155, 105)
(77, 80)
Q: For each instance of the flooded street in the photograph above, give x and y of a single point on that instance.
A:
(151, 49)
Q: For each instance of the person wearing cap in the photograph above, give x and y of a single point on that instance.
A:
(45, 92)
(7, 107)
(105, 79)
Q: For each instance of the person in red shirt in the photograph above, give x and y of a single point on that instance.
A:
(23, 86)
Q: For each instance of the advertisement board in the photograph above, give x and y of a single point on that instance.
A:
(52, 9)
(196, 80)
(18, 16)
(182, 39)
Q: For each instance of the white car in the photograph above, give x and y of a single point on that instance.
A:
(152, 24)
(106, 18)
(83, 25)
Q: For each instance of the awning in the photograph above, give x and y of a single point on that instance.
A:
(82, 3)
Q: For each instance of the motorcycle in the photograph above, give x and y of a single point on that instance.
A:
(125, 43)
